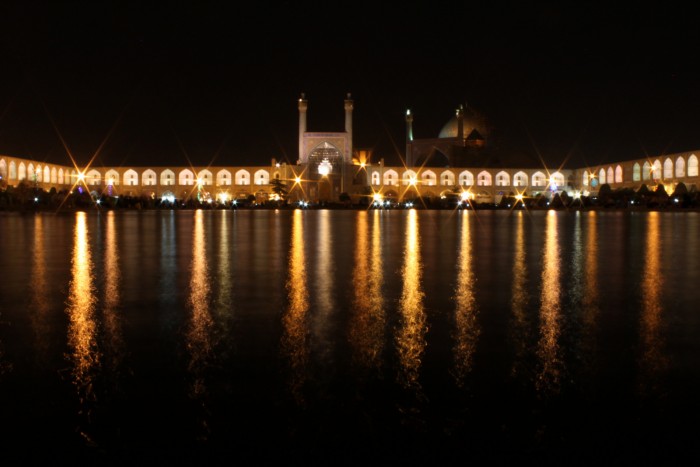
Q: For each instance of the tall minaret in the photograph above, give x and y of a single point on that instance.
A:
(348, 128)
(409, 138)
(303, 105)
(460, 124)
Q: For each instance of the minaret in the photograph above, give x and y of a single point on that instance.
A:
(348, 128)
(460, 124)
(303, 105)
(409, 138)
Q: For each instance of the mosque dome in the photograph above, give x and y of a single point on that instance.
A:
(471, 120)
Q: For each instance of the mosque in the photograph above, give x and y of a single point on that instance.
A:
(459, 161)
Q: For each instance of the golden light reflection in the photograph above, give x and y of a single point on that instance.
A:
(410, 338)
(224, 300)
(653, 360)
(466, 325)
(39, 302)
(199, 335)
(294, 339)
(550, 312)
(519, 300)
(113, 332)
(591, 301)
(82, 328)
(324, 275)
(368, 320)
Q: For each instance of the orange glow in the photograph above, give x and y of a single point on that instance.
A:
(410, 339)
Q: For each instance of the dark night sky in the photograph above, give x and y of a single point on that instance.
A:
(217, 82)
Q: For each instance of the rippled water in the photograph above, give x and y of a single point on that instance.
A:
(350, 337)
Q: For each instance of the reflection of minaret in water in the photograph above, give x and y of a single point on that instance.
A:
(409, 138)
(303, 105)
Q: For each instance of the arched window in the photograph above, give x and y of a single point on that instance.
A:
(447, 178)
(611, 175)
(22, 172)
(3, 169)
(93, 177)
(131, 178)
(584, 179)
(601, 176)
(618, 174)
(680, 167)
(60, 176)
(223, 178)
(636, 172)
(466, 178)
(428, 178)
(262, 177)
(205, 177)
(149, 177)
(47, 174)
(657, 170)
(375, 179)
(668, 169)
(54, 175)
(484, 178)
(391, 177)
(646, 171)
(112, 177)
(409, 177)
(13, 170)
(538, 179)
(502, 178)
(167, 177)
(692, 166)
(520, 179)
(186, 177)
(242, 177)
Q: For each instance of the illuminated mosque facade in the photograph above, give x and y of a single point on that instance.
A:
(458, 162)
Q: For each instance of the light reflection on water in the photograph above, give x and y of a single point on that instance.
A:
(295, 345)
(532, 305)
(82, 328)
(653, 361)
(466, 312)
(368, 320)
(410, 337)
(548, 379)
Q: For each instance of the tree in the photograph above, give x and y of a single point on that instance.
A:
(279, 188)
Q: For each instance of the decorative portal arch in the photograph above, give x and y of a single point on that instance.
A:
(408, 176)
(692, 166)
(22, 171)
(484, 178)
(242, 177)
(167, 177)
(93, 177)
(391, 177)
(13, 170)
(223, 178)
(375, 178)
(646, 171)
(262, 177)
(131, 178)
(584, 180)
(447, 178)
(3, 169)
(539, 179)
(502, 178)
(601, 176)
(657, 170)
(428, 178)
(205, 177)
(668, 168)
(186, 177)
(618, 174)
(466, 178)
(149, 177)
(680, 167)
(611, 175)
(636, 172)
(112, 177)
(324, 151)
